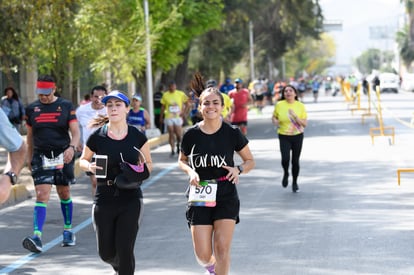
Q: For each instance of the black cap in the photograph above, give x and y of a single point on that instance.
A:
(211, 83)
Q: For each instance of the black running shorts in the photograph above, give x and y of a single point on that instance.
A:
(200, 215)
(64, 176)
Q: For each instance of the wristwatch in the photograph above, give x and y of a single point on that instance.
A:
(240, 169)
(12, 176)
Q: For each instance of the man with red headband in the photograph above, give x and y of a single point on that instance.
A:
(52, 137)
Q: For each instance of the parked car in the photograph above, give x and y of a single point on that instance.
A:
(389, 82)
(407, 83)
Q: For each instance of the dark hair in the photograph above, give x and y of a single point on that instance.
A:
(98, 88)
(282, 97)
(46, 78)
(212, 90)
(197, 84)
(98, 121)
(15, 96)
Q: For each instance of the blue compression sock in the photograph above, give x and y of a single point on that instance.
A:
(39, 217)
(67, 209)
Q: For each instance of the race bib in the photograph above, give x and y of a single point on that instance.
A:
(53, 163)
(204, 195)
(174, 109)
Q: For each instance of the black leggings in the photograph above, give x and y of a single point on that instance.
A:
(116, 227)
(294, 144)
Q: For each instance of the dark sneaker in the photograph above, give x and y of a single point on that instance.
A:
(285, 181)
(295, 187)
(33, 244)
(69, 238)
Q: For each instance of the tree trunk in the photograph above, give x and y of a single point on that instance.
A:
(412, 30)
(6, 70)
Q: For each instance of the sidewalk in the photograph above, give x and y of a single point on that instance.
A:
(24, 189)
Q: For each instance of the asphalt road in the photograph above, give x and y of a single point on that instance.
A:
(350, 216)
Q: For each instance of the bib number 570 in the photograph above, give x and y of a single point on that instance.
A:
(204, 190)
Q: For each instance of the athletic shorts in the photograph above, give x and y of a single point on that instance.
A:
(64, 176)
(10, 138)
(259, 97)
(240, 123)
(175, 121)
(200, 215)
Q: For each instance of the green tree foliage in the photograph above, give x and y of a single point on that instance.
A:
(67, 38)
(278, 26)
(15, 46)
(369, 60)
(405, 37)
(113, 33)
(194, 18)
(227, 45)
(54, 39)
(172, 47)
(409, 6)
(310, 56)
(43, 32)
(406, 52)
(117, 35)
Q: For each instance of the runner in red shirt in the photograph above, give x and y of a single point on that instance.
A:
(241, 100)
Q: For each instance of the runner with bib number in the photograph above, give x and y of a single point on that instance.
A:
(207, 152)
(204, 195)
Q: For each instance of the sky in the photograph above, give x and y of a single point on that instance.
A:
(358, 18)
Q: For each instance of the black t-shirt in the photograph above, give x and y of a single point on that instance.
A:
(101, 144)
(207, 153)
(50, 124)
(157, 100)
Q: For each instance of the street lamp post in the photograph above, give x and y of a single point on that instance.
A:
(153, 131)
(252, 76)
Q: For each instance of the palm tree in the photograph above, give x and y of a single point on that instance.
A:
(409, 6)
(405, 37)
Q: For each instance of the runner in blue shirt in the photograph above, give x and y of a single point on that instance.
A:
(227, 86)
(137, 115)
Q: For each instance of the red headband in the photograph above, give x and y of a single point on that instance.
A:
(45, 85)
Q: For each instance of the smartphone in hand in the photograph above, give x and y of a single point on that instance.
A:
(101, 161)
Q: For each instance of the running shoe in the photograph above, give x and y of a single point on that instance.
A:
(69, 238)
(285, 180)
(33, 244)
(210, 270)
(295, 187)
